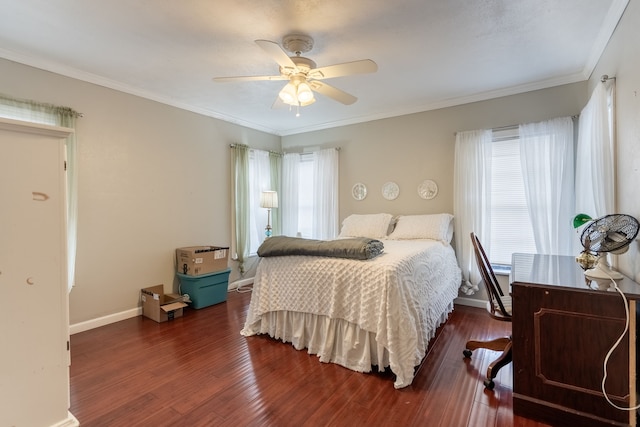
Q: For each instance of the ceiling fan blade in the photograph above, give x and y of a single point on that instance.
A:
(247, 78)
(277, 53)
(346, 69)
(277, 103)
(333, 93)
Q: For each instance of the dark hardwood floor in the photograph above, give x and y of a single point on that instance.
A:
(198, 370)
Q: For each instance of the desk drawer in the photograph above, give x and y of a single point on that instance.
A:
(560, 339)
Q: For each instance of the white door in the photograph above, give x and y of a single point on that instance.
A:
(34, 379)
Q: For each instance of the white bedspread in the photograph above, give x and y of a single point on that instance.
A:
(397, 299)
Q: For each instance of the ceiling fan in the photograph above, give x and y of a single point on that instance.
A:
(303, 76)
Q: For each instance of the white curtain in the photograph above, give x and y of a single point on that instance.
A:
(68, 120)
(594, 155)
(472, 200)
(290, 188)
(546, 155)
(275, 172)
(325, 215)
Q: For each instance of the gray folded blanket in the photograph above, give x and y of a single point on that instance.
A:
(353, 248)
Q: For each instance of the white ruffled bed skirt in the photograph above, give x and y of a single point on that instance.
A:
(332, 340)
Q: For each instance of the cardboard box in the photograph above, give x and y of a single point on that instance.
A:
(159, 306)
(205, 290)
(199, 260)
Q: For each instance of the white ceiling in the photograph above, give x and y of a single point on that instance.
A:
(430, 53)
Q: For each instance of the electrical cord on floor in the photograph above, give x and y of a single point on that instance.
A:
(244, 288)
(249, 286)
(615, 345)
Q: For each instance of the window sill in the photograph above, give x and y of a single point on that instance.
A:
(501, 269)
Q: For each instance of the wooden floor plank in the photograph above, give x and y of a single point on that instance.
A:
(198, 370)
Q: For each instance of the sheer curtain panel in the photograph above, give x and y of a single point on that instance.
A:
(546, 155)
(290, 189)
(325, 215)
(594, 154)
(240, 203)
(472, 200)
(275, 168)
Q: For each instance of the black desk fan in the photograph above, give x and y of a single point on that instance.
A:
(608, 234)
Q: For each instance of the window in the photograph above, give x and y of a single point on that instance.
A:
(20, 113)
(307, 186)
(259, 181)
(511, 229)
(515, 186)
(310, 194)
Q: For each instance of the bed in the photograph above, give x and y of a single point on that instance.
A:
(378, 312)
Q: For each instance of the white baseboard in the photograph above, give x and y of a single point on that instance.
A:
(123, 315)
(471, 302)
(105, 320)
(70, 421)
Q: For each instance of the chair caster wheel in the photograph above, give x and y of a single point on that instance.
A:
(467, 353)
(489, 384)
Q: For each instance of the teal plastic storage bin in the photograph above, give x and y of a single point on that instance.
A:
(206, 289)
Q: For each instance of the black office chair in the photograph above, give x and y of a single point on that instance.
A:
(498, 307)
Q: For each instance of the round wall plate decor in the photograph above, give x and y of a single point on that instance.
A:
(428, 189)
(390, 190)
(359, 191)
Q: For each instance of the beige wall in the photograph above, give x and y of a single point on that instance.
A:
(151, 178)
(622, 60)
(412, 148)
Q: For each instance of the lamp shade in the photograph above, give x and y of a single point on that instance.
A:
(304, 93)
(288, 94)
(269, 199)
(297, 92)
(580, 220)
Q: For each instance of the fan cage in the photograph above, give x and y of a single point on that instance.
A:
(609, 233)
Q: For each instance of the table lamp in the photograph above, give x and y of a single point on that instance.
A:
(268, 200)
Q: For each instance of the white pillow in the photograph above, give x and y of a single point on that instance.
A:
(435, 227)
(374, 226)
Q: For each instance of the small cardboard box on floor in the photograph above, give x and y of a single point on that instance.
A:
(199, 260)
(159, 306)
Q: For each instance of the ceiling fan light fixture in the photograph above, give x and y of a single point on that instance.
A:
(302, 73)
(304, 93)
(288, 94)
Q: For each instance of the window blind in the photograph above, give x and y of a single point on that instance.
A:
(511, 229)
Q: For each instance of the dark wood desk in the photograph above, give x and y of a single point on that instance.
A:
(562, 331)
